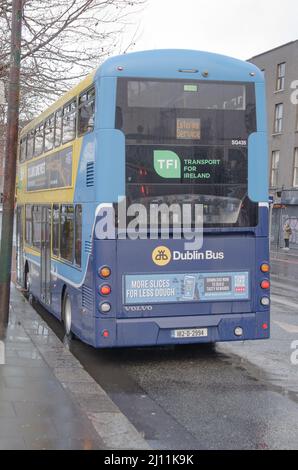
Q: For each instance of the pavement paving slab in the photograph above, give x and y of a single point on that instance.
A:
(47, 399)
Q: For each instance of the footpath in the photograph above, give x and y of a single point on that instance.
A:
(47, 399)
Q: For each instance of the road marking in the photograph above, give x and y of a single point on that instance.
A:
(284, 261)
(278, 300)
(287, 327)
(278, 253)
(282, 285)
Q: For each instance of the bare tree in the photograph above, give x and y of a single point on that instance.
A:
(63, 40)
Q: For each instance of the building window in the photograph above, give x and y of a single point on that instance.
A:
(280, 79)
(278, 118)
(67, 232)
(295, 182)
(69, 122)
(86, 111)
(78, 231)
(275, 168)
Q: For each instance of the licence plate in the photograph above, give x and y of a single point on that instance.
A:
(191, 333)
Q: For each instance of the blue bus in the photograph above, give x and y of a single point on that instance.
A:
(157, 127)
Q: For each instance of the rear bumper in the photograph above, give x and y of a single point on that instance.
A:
(158, 331)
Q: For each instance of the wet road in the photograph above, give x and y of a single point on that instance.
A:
(234, 396)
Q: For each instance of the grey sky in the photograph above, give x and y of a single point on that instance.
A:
(239, 28)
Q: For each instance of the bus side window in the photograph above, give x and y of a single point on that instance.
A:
(67, 232)
(38, 145)
(36, 226)
(28, 225)
(58, 127)
(56, 227)
(69, 122)
(23, 145)
(78, 232)
(30, 145)
(49, 134)
(86, 112)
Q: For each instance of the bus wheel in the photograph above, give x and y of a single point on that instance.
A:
(67, 316)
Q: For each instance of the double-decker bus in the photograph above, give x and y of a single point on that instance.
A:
(156, 128)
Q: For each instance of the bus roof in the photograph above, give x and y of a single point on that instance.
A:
(174, 63)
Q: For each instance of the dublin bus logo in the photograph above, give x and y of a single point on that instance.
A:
(161, 256)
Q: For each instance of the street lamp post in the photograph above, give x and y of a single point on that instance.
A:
(10, 161)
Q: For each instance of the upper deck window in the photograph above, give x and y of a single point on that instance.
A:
(178, 95)
(86, 111)
(30, 145)
(58, 127)
(69, 122)
(49, 134)
(38, 144)
(170, 111)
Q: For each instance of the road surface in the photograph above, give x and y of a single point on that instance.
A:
(231, 396)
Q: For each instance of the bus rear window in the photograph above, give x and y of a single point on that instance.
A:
(187, 142)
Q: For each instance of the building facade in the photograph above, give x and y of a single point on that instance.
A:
(280, 66)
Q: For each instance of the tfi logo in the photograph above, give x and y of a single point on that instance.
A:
(167, 164)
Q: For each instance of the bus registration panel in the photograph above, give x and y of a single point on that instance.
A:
(187, 287)
(190, 333)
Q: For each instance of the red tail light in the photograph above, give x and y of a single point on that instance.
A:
(105, 290)
(265, 284)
